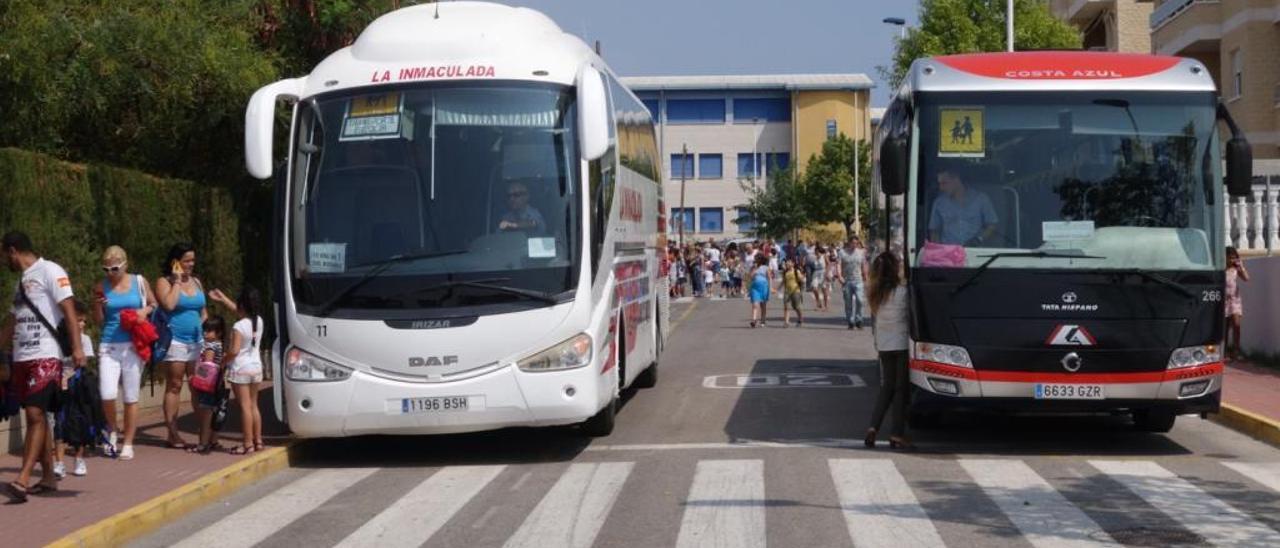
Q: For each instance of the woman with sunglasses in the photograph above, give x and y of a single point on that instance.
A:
(118, 363)
(180, 293)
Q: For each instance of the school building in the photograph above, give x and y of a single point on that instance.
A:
(737, 130)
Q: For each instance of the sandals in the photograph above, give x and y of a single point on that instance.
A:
(41, 488)
(901, 444)
(16, 492)
(870, 439)
(241, 450)
(258, 445)
(198, 449)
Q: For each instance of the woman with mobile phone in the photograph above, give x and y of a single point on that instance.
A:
(182, 295)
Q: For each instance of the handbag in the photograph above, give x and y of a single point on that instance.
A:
(61, 334)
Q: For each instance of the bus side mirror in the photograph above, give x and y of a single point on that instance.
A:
(1239, 167)
(260, 123)
(894, 165)
(593, 114)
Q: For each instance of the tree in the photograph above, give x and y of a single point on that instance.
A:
(778, 208)
(828, 183)
(969, 26)
(159, 86)
(304, 32)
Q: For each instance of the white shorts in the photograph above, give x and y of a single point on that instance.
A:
(182, 352)
(119, 363)
(245, 374)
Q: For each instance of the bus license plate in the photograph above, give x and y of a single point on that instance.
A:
(1069, 392)
(443, 404)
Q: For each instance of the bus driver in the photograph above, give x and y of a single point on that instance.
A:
(520, 215)
(961, 216)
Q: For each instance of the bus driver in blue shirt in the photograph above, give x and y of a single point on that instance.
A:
(520, 215)
(961, 216)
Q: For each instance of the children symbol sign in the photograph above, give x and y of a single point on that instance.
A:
(962, 133)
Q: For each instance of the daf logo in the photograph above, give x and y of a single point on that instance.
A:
(432, 361)
(1072, 362)
(1069, 297)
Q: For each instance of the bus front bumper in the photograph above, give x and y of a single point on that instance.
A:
(370, 404)
(938, 387)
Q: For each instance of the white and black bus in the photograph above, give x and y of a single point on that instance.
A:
(1061, 219)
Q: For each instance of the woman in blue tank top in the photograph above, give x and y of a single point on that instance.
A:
(180, 293)
(119, 365)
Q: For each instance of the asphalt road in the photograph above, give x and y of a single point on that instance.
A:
(752, 439)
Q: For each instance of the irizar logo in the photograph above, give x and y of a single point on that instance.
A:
(1071, 335)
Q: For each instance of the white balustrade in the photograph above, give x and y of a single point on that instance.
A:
(1273, 218)
(1254, 225)
(1257, 242)
(1226, 219)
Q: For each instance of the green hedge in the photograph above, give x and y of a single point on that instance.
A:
(73, 212)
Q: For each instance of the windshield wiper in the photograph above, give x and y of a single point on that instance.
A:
(492, 286)
(1036, 254)
(1162, 280)
(378, 267)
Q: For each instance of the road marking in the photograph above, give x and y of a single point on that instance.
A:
(825, 443)
(422, 511)
(784, 380)
(1216, 521)
(878, 505)
(682, 317)
(1266, 474)
(574, 510)
(1045, 517)
(259, 520)
(725, 506)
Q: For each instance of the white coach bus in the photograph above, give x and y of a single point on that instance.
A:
(467, 232)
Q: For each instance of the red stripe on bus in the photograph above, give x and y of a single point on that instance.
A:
(1057, 65)
(945, 370)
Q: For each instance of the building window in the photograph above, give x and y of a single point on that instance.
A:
(747, 111)
(710, 166)
(747, 166)
(1237, 72)
(686, 219)
(695, 111)
(652, 105)
(776, 161)
(746, 223)
(681, 167)
(711, 220)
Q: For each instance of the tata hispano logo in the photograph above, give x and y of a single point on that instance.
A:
(1069, 297)
(1070, 303)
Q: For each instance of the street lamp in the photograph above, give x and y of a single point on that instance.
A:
(901, 23)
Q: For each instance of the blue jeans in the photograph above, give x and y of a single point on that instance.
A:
(853, 301)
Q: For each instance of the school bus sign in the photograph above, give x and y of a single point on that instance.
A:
(962, 132)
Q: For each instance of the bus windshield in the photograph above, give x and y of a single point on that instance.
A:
(1123, 180)
(442, 196)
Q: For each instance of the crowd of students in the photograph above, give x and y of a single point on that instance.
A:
(45, 352)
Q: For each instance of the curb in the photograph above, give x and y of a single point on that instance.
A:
(1248, 423)
(165, 509)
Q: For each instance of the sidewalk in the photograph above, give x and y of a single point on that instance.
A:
(113, 486)
(1251, 401)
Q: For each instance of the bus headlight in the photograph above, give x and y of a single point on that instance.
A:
(1192, 356)
(574, 352)
(942, 353)
(302, 366)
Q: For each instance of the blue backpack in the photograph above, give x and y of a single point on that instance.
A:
(160, 348)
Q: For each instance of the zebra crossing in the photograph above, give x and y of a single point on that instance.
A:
(726, 501)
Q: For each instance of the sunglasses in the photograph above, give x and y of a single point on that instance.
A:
(113, 269)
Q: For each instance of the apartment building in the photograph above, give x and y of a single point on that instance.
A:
(737, 130)
(1109, 25)
(1239, 42)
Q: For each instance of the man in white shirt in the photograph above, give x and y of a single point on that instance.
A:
(42, 296)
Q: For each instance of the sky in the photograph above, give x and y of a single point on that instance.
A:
(684, 37)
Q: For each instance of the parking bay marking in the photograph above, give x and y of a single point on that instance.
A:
(784, 380)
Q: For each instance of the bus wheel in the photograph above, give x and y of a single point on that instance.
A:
(602, 423)
(1154, 421)
(649, 377)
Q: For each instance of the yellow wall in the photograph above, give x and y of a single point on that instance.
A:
(814, 108)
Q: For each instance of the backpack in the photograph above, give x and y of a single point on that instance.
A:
(81, 421)
(160, 319)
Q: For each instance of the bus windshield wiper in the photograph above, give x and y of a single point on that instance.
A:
(1162, 280)
(491, 285)
(1035, 254)
(378, 267)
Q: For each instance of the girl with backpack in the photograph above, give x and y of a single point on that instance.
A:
(205, 385)
(244, 362)
(119, 365)
(182, 296)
